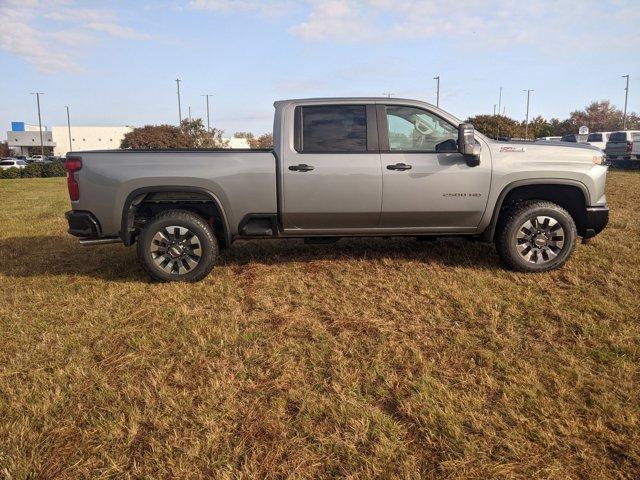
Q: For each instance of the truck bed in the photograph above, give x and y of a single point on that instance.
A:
(243, 181)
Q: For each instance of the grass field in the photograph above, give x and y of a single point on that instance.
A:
(363, 359)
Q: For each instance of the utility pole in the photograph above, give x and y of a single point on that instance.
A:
(69, 127)
(179, 108)
(388, 94)
(626, 97)
(499, 100)
(37, 94)
(526, 125)
(437, 91)
(189, 113)
(207, 96)
(494, 110)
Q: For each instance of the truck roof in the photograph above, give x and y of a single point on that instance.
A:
(385, 100)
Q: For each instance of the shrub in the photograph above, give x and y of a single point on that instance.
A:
(33, 170)
(12, 172)
(54, 169)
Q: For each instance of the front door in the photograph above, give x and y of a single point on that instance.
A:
(427, 184)
(332, 177)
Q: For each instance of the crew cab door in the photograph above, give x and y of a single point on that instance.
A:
(331, 171)
(427, 184)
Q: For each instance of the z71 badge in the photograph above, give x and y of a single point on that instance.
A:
(512, 149)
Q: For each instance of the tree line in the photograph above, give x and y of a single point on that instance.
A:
(597, 116)
(192, 134)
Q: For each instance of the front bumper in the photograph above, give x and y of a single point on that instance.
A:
(596, 219)
(83, 224)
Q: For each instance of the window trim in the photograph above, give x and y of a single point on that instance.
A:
(383, 128)
(371, 129)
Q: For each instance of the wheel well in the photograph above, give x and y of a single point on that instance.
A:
(147, 205)
(569, 197)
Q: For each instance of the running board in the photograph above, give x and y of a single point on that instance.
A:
(90, 242)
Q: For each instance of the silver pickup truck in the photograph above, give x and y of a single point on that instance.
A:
(342, 167)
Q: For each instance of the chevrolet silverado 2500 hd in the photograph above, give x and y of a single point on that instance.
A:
(342, 167)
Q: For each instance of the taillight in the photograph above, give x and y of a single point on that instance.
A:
(629, 146)
(73, 164)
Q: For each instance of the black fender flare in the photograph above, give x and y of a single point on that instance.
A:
(489, 232)
(139, 193)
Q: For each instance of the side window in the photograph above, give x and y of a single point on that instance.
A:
(331, 128)
(413, 129)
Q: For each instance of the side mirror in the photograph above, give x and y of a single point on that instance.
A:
(467, 144)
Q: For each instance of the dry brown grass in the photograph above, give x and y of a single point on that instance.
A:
(363, 359)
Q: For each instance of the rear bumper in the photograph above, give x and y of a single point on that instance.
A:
(597, 218)
(83, 224)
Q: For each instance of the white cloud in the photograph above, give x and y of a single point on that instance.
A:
(118, 31)
(28, 32)
(543, 24)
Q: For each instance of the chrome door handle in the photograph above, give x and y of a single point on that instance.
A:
(399, 166)
(303, 167)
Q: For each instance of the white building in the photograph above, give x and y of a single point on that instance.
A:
(24, 139)
(87, 138)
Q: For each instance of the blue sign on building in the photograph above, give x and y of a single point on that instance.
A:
(17, 126)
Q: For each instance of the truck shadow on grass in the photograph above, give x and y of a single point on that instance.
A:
(45, 255)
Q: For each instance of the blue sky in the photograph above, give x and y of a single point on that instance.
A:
(115, 63)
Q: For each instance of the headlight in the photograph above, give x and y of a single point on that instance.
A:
(600, 160)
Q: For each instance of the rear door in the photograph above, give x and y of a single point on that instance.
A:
(427, 184)
(332, 176)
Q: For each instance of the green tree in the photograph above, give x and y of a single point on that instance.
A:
(600, 117)
(497, 126)
(5, 151)
(190, 135)
(263, 141)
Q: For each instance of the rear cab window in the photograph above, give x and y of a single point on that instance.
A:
(331, 128)
(594, 137)
(618, 137)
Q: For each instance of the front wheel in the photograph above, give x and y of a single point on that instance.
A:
(177, 245)
(536, 236)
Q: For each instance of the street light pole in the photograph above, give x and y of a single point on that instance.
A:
(189, 113)
(494, 109)
(179, 108)
(69, 127)
(526, 125)
(437, 91)
(499, 100)
(208, 124)
(626, 97)
(37, 94)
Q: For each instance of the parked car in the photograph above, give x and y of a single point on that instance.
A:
(619, 147)
(598, 139)
(574, 138)
(635, 148)
(341, 168)
(7, 163)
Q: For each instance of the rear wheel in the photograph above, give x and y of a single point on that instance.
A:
(536, 236)
(177, 245)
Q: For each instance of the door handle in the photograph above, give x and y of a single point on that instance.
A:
(399, 166)
(303, 167)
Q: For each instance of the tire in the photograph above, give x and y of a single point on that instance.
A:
(536, 236)
(177, 245)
